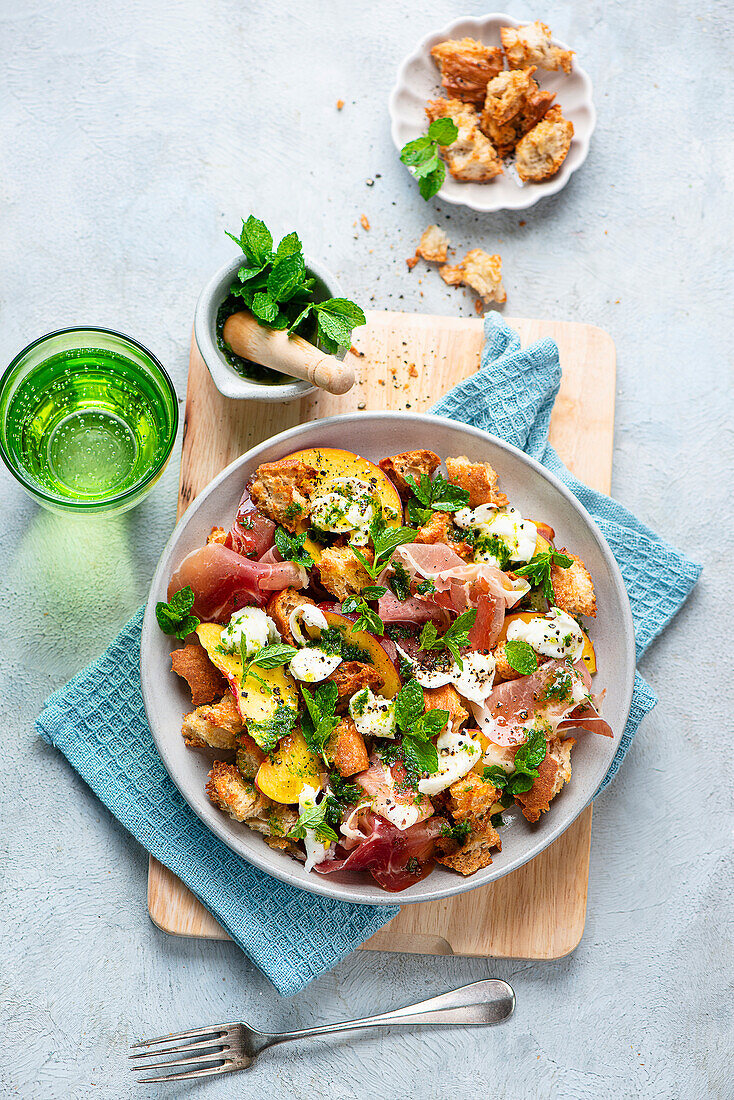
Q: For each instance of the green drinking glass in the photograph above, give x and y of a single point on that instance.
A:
(88, 420)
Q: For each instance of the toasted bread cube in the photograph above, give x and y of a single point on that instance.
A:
(476, 851)
(440, 528)
(452, 274)
(241, 799)
(470, 797)
(514, 104)
(433, 245)
(342, 573)
(280, 606)
(471, 156)
(446, 698)
(192, 664)
(574, 588)
(466, 68)
(553, 772)
(217, 534)
(350, 677)
(346, 749)
(409, 464)
(531, 45)
(213, 727)
(249, 756)
(483, 273)
(281, 490)
(542, 151)
(479, 478)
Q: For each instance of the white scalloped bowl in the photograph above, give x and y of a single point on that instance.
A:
(419, 80)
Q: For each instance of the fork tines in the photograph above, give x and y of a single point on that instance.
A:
(213, 1039)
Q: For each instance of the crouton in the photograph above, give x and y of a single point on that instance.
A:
(241, 799)
(192, 664)
(503, 670)
(531, 45)
(279, 609)
(574, 588)
(452, 274)
(475, 852)
(409, 464)
(213, 727)
(470, 797)
(217, 534)
(281, 490)
(471, 156)
(433, 245)
(480, 271)
(514, 104)
(479, 478)
(342, 573)
(440, 528)
(346, 749)
(542, 151)
(446, 698)
(249, 756)
(553, 772)
(466, 67)
(350, 677)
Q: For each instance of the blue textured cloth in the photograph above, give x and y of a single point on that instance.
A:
(97, 720)
(512, 396)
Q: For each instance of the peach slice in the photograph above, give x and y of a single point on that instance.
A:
(330, 462)
(588, 655)
(372, 646)
(255, 702)
(289, 768)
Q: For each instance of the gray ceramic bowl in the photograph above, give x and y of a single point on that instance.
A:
(537, 493)
(225, 377)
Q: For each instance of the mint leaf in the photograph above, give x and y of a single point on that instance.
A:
(174, 617)
(497, 776)
(530, 755)
(289, 246)
(286, 277)
(373, 592)
(414, 152)
(443, 130)
(313, 819)
(399, 581)
(420, 756)
(264, 307)
(432, 184)
(440, 495)
(367, 619)
(409, 704)
(538, 570)
(431, 723)
(305, 312)
(343, 791)
(521, 656)
(256, 241)
(273, 656)
(319, 721)
(292, 547)
(454, 639)
(268, 733)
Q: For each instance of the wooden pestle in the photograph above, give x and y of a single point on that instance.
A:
(289, 354)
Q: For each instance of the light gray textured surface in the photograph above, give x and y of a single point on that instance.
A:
(132, 136)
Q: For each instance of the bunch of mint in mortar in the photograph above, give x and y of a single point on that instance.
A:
(277, 289)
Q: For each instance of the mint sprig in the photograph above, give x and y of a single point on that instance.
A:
(313, 819)
(320, 720)
(276, 287)
(385, 541)
(367, 619)
(291, 547)
(175, 616)
(423, 158)
(454, 639)
(538, 570)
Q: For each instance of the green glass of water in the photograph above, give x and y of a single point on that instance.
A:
(88, 420)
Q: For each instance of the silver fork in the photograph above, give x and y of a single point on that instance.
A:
(225, 1048)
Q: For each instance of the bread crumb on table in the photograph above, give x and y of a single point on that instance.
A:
(363, 221)
(339, 104)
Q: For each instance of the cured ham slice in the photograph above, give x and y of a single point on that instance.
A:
(587, 718)
(223, 581)
(386, 851)
(412, 611)
(391, 796)
(515, 707)
(458, 584)
(251, 533)
(489, 621)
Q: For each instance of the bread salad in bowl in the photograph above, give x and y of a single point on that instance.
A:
(386, 662)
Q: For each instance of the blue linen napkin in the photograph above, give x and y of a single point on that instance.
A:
(98, 721)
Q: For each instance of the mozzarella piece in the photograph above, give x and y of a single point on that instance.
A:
(553, 635)
(373, 715)
(400, 814)
(313, 664)
(346, 504)
(474, 681)
(309, 616)
(457, 754)
(499, 756)
(253, 627)
(316, 851)
(518, 535)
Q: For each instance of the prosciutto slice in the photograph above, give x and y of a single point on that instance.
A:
(458, 584)
(587, 718)
(514, 707)
(251, 533)
(223, 581)
(413, 611)
(391, 797)
(489, 621)
(385, 851)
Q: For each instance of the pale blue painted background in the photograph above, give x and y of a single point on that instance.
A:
(132, 135)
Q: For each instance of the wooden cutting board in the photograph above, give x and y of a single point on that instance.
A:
(407, 361)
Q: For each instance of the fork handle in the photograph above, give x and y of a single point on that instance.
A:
(487, 1002)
